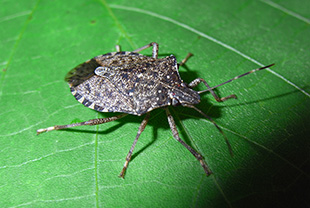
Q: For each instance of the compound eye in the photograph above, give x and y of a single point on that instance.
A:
(183, 84)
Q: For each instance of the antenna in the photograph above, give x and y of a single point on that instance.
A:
(237, 77)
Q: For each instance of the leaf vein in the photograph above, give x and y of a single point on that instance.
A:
(286, 11)
(45, 156)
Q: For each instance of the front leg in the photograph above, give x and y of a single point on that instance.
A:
(175, 134)
(196, 81)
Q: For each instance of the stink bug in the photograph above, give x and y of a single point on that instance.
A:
(132, 83)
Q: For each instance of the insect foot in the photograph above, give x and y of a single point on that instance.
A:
(131, 83)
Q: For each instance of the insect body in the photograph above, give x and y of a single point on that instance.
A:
(131, 83)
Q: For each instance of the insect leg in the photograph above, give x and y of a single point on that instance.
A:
(210, 119)
(185, 59)
(128, 157)
(90, 122)
(177, 137)
(118, 48)
(195, 82)
(155, 49)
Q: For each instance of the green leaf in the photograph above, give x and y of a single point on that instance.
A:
(267, 126)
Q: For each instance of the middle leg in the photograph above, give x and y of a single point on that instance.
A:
(128, 157)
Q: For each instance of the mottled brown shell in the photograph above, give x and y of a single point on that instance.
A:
(130, 83)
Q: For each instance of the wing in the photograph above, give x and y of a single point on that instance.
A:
(101, 95)
(124, 82)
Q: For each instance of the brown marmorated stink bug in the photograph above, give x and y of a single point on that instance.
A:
(132, 83)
